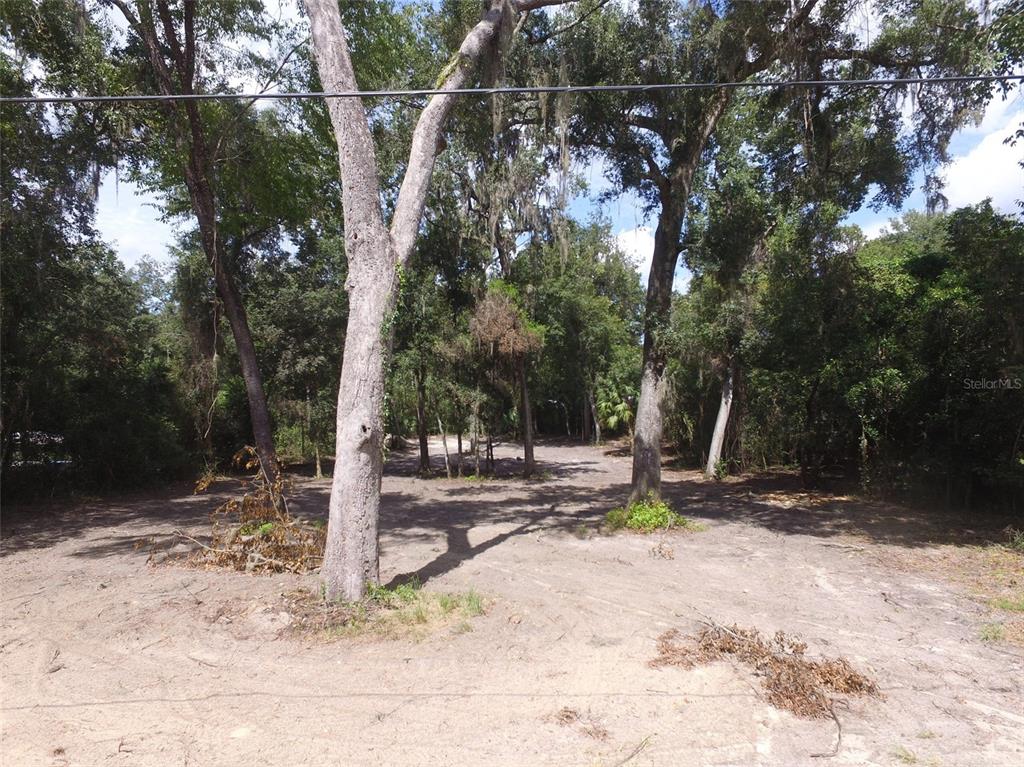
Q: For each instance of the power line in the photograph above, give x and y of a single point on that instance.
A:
(293, 95)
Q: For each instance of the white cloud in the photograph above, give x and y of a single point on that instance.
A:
(129, 220)
(638, 244)
(991, 169)
(982, 166)
(876, 229)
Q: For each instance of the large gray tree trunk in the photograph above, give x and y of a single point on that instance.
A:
(350, 558)
(722, 421)
(374, 254)
(648, 428)
(674, 190)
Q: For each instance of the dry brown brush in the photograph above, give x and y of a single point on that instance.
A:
(789, 679)
(256, 533)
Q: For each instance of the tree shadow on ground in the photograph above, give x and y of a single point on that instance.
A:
(126, 516)
(773, 502)
(578, 493)
(777, 502)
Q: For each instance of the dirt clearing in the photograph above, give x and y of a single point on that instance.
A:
(107, 659)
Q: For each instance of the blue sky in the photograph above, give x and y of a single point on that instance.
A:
(982, 166)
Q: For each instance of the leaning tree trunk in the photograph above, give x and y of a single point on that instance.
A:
(444, 442)
(189, 136)
(526, 418)
(205, 209)
(475, 438)
(722, 421)
(674, 190)
(262, 431)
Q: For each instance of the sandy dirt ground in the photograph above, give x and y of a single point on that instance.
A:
(108, 660)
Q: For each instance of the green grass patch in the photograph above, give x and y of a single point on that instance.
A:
(648, 515)
(472, 604)
(1012, 604)
(396, 596)
(402, 611)
(992, 632)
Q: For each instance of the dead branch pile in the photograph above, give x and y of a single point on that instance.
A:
(255, 533)
(789, 680)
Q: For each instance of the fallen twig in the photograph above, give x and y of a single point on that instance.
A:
(640, 747)
(888, 598)
(180, 534)
(839, 734)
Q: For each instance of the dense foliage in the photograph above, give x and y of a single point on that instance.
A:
(895, 362)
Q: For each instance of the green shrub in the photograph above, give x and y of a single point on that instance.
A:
(265, 528)
(616, 519)
(646, 516)
(403, 593)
